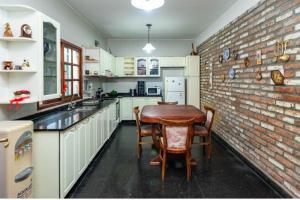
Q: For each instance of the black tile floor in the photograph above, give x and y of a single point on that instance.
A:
(116, 173)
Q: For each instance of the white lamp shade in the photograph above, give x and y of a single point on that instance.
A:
(147, 4)
(149, 48)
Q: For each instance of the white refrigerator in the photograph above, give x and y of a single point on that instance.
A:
(175, 89)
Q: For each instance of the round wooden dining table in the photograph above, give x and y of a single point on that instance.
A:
(153, 113)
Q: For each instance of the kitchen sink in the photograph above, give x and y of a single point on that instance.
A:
(85, 108)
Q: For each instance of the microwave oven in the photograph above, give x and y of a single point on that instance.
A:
(153, 91)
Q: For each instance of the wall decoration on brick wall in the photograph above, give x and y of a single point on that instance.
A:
(284, 57)
(221, 59)
(232, 73)
(247, 62)
(223, 77)
(226, 54)
(280, 54)
(258, 76)
(258, 57)
(277, 77)
(235, 55)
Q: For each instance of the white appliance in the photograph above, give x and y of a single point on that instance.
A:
(175, 89)
(153, 91)
(16, 159)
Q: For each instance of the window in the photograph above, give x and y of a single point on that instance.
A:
(71, 75)
(71, 71)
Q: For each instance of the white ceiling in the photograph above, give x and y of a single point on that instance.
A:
(177, 19)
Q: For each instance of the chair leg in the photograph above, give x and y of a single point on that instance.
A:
(203, 140)
(209, 149)
(139, 148)
(188, 165)
(163, 168)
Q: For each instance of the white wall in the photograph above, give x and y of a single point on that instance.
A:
(74, 28)
(237, 9)
(133, 47)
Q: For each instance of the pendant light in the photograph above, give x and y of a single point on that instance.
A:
(149, 47)
(147, 5)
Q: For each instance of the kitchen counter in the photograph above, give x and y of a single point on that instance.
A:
(60, 120)
(120, 95)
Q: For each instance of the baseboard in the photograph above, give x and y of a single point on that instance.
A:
(281, 192)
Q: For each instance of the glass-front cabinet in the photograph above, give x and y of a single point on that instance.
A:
(51, 59)
(147, 66)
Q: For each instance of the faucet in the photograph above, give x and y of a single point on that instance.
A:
(72, 104)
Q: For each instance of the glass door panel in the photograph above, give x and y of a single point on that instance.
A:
(141, 66)
(50, 58)
(154, 67)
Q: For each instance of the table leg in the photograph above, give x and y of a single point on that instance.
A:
(155, 161)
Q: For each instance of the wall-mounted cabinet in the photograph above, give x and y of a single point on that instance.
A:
(33, 59)
(99, 62)
(172, 61)
(192, 73)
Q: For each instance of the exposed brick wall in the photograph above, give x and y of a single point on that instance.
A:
(257, 118)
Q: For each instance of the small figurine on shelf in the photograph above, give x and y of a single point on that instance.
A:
(18, 67)
(7, 31)
(7, 65)
(25, 64)
(20, 96)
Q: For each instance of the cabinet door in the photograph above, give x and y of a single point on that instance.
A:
(88, 152)
(99, 132)
(93, 138)
(153, 67)
(81, 150)
(51, 59)
(153, 101)
(113, 64)
(120, 66)
(68, 162)
(193, 91)
(172, 62)
(141, 66)
(126, 108)
(192, 66)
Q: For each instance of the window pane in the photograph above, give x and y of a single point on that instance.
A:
(76, 87)
(68, 72)
(75, 72)
(68, 88)
(75, 57)
(67, 55)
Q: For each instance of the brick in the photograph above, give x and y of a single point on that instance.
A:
(267, 126)
(276, 163)
(292, 36)
(284, 147)
(285, 104)
(284, 16)
(297, 139)
(292, 113)
(292, 158)
(288, 120)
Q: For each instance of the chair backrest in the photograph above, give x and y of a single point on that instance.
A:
(167, 103)
(210, 114)
(177, 133)
(136, 111)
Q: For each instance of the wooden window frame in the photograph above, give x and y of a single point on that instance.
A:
(63, 99)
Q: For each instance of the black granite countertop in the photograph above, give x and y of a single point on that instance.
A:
(60, 120)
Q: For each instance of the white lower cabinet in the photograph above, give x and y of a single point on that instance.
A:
(128, 103)
(68, 157)
(81, 150)
(99, 131)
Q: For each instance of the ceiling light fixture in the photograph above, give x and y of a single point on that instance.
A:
(147, 5)
(149, 47)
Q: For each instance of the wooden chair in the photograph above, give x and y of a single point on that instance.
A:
(142, 131)
(176, 140)
(204, 132)
(167, 103)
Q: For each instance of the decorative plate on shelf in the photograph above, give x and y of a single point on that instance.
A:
(26, 31)
(232, 73)
(226, 54)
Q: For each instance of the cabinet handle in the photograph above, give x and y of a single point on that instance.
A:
(4, 140)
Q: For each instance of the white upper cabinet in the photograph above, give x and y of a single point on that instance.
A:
(51, 58)
(172, 61)
(35, 59)
(192, 66)
(149, 67)
(99, 62)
